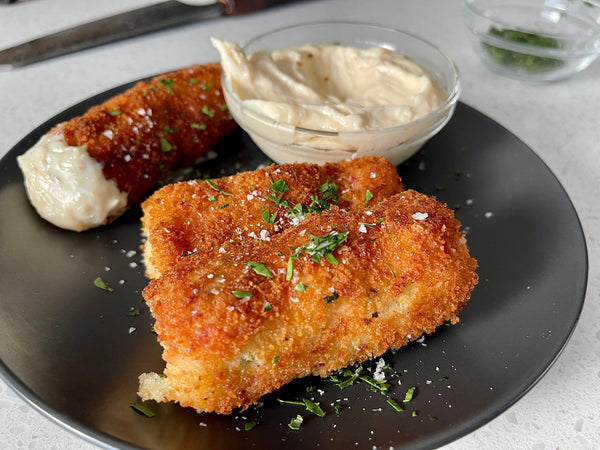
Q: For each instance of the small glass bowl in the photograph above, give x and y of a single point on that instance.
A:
(535, 40)
(286, 143)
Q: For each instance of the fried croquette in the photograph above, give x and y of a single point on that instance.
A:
(198, 216)
(338, 288)
(85, 172)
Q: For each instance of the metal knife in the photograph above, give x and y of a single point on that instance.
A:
(125, 25)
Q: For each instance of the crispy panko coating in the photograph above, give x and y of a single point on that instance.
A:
(155, 126)
(199, 216)
(356, 285)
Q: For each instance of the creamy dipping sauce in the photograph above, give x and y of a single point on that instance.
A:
(331, 87)
(67, 186)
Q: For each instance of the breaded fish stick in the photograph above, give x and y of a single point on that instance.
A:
(199, 216)
(338, 289)
(85, 172)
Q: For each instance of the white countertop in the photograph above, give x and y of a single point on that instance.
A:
(560, 122)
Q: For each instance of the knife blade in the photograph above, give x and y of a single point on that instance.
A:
(125, 25)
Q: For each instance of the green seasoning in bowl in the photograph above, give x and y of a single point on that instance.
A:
(519, 60)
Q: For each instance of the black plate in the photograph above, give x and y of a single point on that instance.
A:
(66, 345)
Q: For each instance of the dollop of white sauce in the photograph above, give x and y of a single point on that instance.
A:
(331, 87)
(67, 186)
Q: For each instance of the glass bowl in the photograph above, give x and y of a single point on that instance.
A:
(535, 40)
(286, 143)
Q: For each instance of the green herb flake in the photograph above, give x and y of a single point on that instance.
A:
(520, 60)
(209, 112)
(368, 196)
(114, 112)
(249, 425)
(142, 410)
(212, 198)
(205, 87)
(267, 306)
(275, 359)
(290, 402)
(212, 185)
(414, 414)
(165, 146)
(100, 283)
(394, 404)
(224, 206)
(259, 268)
(134, 313)
(409, 395)
(391, 270)
(432, 418)
(320, 246)
(289, 273)
(241, 294)
(313, 407)
(267, 216)
(377, 409)
(198, 126)
(352, 377)
(296, 423)
(300, 287)
(223, 107)
(193, 81)
(168, 83)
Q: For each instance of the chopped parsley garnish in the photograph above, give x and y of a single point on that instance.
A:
(353, 377)
(209, 112)
(391, 270)
(193, 81)
(300, 287)
(296, 423)
(134, 313)
(278, 187)
(290, 402)
(323, 246)
(338, 408)
(100, 283)
(414, 414)
(241, 294)
(167, 82)
(268, 217)
(524, 61)
(198, 126)
(329, 196)
(275, 359)
(212, 185)
(114, 112)
(267, 306)
(394, 404)
(381, 386)
(249, 425)
(259, 268)
(142, 410)
(432, 418)
(313, 407)
(409, 395)
(212, 198)
(289, 273)
(368, 196)
(307, 403)
(165, 146)
(224, 206)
